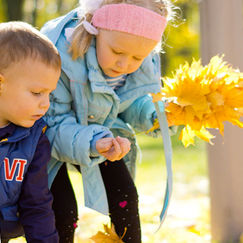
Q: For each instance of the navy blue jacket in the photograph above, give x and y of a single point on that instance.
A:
(24, 193)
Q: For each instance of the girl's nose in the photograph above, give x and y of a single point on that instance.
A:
(122, 63)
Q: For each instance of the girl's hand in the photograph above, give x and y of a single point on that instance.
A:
(125, 146)
(113, 148)
(109, 148)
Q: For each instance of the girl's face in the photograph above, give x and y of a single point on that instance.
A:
(121, 53)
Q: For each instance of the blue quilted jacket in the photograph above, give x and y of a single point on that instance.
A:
(84, 105)
(25, 201)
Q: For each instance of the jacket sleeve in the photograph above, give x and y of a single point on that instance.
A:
(70, 141)
(140, 114)
(35, 202)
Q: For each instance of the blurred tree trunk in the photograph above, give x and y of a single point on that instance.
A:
(14, 9)
(222, 32)
(59, 6)
(34, 12)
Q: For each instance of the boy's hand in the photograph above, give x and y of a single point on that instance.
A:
(113, 148)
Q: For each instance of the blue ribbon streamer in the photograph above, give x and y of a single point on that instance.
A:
(168, 158)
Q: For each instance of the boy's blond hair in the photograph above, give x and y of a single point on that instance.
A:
(81, 39)
(19, 40)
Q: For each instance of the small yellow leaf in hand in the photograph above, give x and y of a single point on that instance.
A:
(157, 97)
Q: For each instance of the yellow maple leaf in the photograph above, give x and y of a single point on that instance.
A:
(108, 236)
(205, 135)
(201, 97)
(187, 136)
(193, 229)
(157, 97)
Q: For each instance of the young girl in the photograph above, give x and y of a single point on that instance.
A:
(108, 68)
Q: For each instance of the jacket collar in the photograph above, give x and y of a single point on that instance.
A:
(58, 25)
(7, 131)
(95, 74)
(14, 133)
(145, 75)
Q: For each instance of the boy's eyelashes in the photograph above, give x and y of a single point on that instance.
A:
(137, 59)
(36, 93)
(39, 93)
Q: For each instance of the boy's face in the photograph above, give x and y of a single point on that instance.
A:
(25, 89)
(121, 53)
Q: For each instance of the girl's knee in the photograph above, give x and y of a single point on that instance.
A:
(131, 194)
(125, 199)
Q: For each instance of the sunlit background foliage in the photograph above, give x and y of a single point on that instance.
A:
(180, 44)
(181, 38)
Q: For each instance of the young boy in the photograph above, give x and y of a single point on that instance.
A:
(29, 71)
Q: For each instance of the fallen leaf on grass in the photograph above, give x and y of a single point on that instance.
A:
(109, 236)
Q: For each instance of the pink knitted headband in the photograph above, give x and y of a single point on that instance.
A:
(130, 19)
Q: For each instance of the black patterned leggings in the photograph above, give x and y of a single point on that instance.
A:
(122, 199)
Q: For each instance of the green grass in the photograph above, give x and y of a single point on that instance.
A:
(187, 163)
(188, 217)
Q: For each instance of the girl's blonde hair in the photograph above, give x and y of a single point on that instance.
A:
(81, 39)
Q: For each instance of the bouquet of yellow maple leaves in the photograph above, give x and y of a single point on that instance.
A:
(201, 97)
